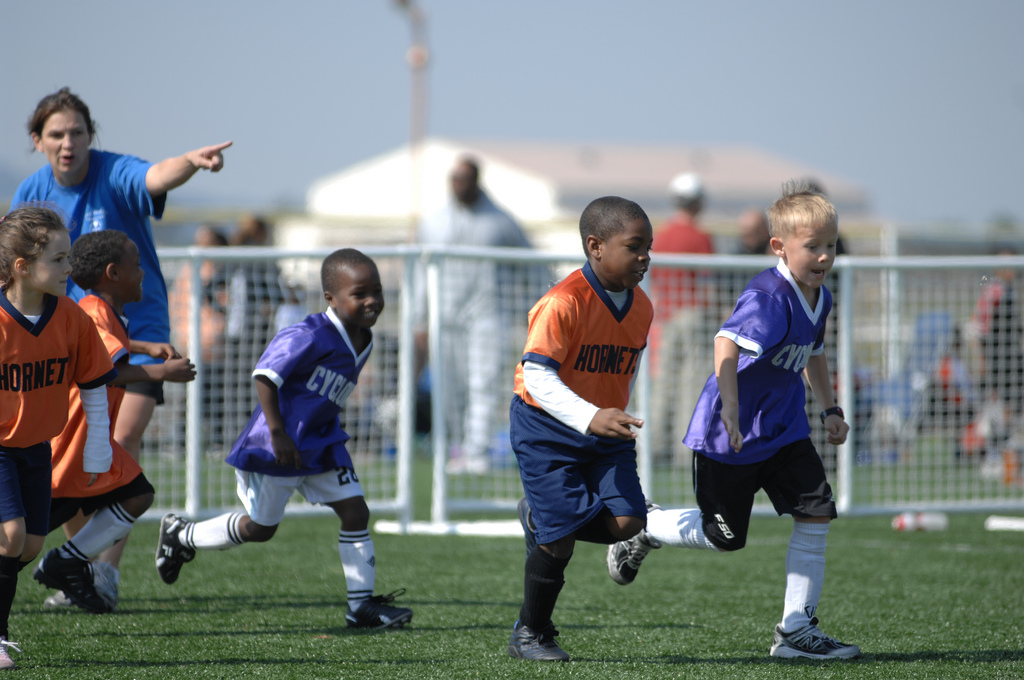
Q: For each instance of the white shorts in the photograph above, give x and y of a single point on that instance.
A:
(265, 496)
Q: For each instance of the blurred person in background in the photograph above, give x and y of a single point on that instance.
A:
(213, 300)
(997, 330)
(254, 293)
(475, 309)
(681, 335)
(754, 237)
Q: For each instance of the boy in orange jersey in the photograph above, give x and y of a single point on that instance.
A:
(571, 435)
(105, 263)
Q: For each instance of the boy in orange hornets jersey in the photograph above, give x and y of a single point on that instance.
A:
(572, 438)
(105, 263)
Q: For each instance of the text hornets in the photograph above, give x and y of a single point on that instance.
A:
(617, 359)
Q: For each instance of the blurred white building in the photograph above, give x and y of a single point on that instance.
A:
(547, 184)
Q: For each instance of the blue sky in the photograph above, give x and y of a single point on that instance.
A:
(921, 102)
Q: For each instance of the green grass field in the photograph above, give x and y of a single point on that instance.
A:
(922, 605)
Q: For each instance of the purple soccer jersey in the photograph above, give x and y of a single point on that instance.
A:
(777, 332)
(315, 369)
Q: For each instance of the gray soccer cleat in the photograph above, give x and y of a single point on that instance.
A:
(6, 662)
(58, 601)
(810, 643)
(106, 577)
(624, 558)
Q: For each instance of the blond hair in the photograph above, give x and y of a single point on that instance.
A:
(800, 205)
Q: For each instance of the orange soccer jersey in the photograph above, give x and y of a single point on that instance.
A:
(69, 478)
(39, 362)
(595, 347)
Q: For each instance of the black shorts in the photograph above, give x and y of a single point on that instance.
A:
(64, 508)
(147, 388)
(793, 478)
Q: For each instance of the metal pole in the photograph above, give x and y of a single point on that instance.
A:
(193, 401)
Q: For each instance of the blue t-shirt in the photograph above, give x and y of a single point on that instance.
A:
(777, 332)
(315, 369)
(113, 195)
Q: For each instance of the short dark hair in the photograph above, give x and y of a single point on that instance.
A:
(91, 253)
(338, 260)
(606, 216)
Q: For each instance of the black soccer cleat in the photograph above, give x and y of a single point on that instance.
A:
(74, 577)
(534, 645)
(377, 613)
(170, 553)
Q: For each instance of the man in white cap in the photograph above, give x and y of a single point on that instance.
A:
(679, 337)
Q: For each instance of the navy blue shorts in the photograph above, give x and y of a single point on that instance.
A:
(25, 476)
(569, 478)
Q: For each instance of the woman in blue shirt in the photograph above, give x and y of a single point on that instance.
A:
(99, 190)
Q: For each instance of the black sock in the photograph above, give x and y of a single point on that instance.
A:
(9, 568)
(541, 586)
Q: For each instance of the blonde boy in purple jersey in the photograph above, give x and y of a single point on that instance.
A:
(749, 431)
(294, 441)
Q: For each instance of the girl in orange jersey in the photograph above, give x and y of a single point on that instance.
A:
(46, 343)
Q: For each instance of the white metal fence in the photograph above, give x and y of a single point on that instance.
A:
(927, 374)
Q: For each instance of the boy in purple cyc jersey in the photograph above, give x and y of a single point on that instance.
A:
(294, 441)
(749, 430)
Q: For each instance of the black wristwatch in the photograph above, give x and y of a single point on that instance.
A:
(834, 411)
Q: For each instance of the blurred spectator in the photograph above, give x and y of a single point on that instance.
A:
(476, 307)
(951, 399)
(255, 289)
(254, 293)
(681, 337)
(997, 326)
(211, 326)
(754, 237)
(293, 305)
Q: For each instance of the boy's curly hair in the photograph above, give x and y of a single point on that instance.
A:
(91, 254)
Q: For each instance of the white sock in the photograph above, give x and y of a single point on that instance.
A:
(360, 565)
(219, 533)
(805, 574)
(680, 528)
(105, 528)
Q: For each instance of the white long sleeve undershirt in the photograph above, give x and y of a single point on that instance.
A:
(97, 453)
(555, 397)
